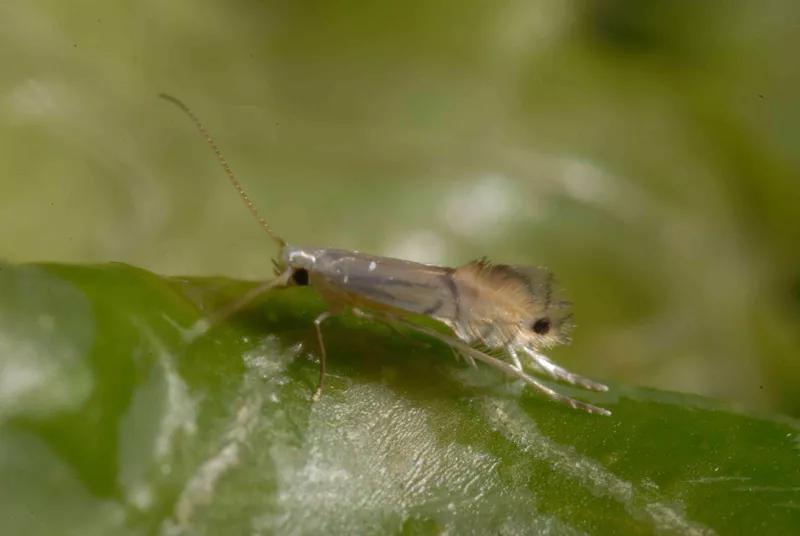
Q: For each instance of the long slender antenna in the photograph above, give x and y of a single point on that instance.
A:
(228, 171)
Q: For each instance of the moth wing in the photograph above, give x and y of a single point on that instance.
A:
(385, 282)
(528, 298)
(549, 304)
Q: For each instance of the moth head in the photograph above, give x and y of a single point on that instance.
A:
(299, 262)
(300, 277)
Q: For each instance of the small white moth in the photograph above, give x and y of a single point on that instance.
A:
(489, 308)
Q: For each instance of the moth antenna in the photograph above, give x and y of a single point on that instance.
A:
(228, 171)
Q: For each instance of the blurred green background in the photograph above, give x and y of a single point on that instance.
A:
(646, 151)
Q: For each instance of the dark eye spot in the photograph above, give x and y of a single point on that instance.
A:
(300, 277)
(541, 326)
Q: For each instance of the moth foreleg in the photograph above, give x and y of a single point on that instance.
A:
(219, 316)
(556, 372)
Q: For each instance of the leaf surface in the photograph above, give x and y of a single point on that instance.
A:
(115, 418)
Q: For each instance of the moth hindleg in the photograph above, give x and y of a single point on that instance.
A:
(466, 357)
(556, 372)
(508, 369)
(563, 399)
(392, 321)
(385, 319)
(514, 357)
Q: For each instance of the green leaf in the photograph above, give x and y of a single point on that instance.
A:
(114, 418)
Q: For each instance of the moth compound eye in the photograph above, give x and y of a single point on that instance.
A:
(541, 326)
(300, 277)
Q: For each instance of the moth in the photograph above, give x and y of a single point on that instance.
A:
(491, 310)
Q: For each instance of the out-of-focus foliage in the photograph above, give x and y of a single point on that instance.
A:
(116, 419)
(646, 151)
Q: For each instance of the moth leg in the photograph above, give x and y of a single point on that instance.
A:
(466, 357)
(513, 353)
(508, 369)
(367, 316)
(556, 372)
(542, 388)
(219, 316)
(391, 321)
(470, 354)
(317, 321)
(562, 399)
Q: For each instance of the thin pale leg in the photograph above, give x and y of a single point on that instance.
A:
(219, 316)
(514, 357)
(558, 373)
(322, 355)
(367, 316)
(466, 357)
(390, 321)
(512, 371)
(508, 369)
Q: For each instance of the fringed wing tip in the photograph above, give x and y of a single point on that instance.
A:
(547, 318)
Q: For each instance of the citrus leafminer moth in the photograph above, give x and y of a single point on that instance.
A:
(490, 309)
